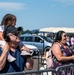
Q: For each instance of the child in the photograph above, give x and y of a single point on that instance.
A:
(10, 19)
(2, 43)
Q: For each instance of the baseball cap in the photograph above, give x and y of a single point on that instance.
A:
(10, 29)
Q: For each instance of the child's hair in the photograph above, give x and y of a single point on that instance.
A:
(8, 17)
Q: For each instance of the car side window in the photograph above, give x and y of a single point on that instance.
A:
(29, 39)
(37, 39)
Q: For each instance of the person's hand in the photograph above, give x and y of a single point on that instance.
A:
(5, 47)
(29, 63)
(25, 49)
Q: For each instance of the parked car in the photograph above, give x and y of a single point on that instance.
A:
(33, 49)
(48, 39)
(37, 41)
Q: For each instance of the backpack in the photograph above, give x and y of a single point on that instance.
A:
(49, 59)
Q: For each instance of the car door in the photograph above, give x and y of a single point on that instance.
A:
(38, 42)
(28, 40)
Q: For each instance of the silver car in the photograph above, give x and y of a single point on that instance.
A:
(37, 41)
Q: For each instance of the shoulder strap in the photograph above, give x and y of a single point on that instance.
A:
(59, 44)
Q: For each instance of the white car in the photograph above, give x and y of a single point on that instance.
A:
(33, 49)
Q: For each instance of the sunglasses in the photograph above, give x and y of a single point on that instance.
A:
(65, 35)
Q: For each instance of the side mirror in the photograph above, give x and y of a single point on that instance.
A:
(41, 41)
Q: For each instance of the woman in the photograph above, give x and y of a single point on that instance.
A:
(62, 54)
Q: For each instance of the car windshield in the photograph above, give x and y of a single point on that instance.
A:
(48, 39)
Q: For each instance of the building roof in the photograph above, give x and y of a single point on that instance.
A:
(56, 29)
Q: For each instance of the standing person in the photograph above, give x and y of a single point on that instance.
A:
(68, 41)
(12, 46)
(62, 54)
(10, 19)
(72, 42)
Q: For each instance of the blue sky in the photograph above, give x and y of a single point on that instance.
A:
(37, 14)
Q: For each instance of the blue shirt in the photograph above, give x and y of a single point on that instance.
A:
(17, 65)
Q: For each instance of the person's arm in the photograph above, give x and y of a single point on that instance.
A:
(58, 54)
(23, 47)
(3, 56)
(29, 63)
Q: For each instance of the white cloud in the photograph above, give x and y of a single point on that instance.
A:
(10, 6)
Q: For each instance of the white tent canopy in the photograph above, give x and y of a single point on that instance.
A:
(56, 29)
